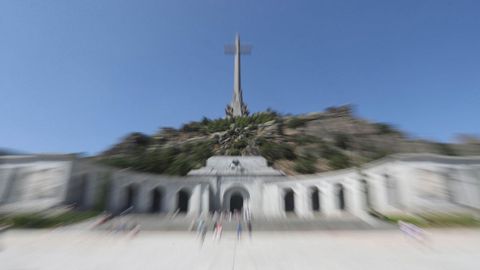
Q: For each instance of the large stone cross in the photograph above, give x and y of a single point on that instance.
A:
(237, 107)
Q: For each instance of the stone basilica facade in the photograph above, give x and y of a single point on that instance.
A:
(404, 183)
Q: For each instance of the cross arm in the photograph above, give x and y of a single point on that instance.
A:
(244, 49)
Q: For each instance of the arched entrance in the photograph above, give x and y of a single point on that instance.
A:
(235, 199)
(183, 198)
(131, 198)
(236, 202)
(156, 200)
(340, 197)
(289, 200)
(315, 197)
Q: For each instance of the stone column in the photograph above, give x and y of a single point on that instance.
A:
(91, 190)
(195, 201)
(143, 198)
(328, 199)
(379, 191)
(301, 202)
(205, 200)
(270, 202)
(256, 200)
(170, 199)
(356, 201)
(117, 196)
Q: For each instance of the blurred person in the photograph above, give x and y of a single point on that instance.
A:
(412, 231)
(217, 232)
(214, 230)
(200, 225)
(134, 230)
(249, 227)
(239, 230)
(203, 233)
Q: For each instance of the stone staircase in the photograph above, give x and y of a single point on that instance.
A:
(183, 223)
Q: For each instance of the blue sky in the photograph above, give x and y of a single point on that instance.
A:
(76, 76)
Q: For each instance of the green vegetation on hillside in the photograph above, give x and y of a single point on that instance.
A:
(38, 220)
(436, 220)
(174, 160)
(300, 144)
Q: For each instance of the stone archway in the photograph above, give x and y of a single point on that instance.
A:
(156, 200)
(236, 202)
(289, 200)
(340, 197)
(131, 197)
(315, 199)
(236, 199)
(183, 199)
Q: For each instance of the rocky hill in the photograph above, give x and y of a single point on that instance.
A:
(299, 144)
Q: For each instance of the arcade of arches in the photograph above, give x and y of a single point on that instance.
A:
(397, 183)
(235, 199)
(315, 198)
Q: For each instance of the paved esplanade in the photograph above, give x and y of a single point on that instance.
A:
(372, 250)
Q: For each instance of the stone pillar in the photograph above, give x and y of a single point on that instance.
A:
(328, 199)
(170, 199)
(194, 204)
(270, 203)
(117, 196)
(379, 191)
(408, 185)
(301, 202)
(91, 190)
(205, 200)
(144, 198)
(356, 202)
(256, 200)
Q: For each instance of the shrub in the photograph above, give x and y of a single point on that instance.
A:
(296, 122)
(342, 141)
(437, 220)
(305, 164)
(327, 151)
(240, 143)
(36, 220)
(192, 127)
(339, 161)
(120, 162)
(305, 139)
(449, 220)
(445, 149)
(273, 151)
(407, 218)
(384, 128)
(181, 165)
(234, 152)
(218, 125)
